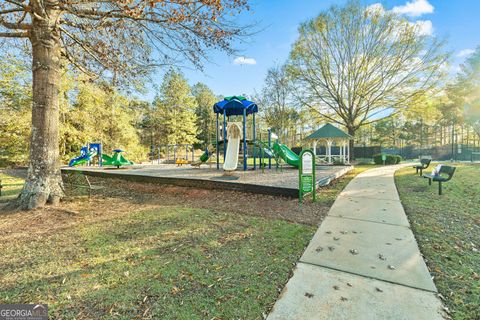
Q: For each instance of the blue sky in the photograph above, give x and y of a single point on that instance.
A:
(278, 20)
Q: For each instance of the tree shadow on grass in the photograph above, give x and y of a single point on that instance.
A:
(164, 263)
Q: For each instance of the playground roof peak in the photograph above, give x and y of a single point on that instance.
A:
(329, 131)
(234, 106)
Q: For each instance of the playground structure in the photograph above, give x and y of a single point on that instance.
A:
(117, 159)
(173, 153)
(234, 133)
(94, 150)
(229, 107)
(87, 155)
(204, 157)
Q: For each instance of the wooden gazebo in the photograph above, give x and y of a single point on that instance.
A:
(328, 135)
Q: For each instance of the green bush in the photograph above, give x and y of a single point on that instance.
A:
(391, 159)
(399, 158)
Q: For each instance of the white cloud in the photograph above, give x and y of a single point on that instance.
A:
(244, 60)
(375, 8)
(423, 27)
(414, 8)
(465, 53)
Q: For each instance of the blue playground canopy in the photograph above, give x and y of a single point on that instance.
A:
(234, 106)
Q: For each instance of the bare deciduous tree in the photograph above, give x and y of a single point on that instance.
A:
(354, 65)
(113, 38)
(276, 97)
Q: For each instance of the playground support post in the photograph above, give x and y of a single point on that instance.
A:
(254, 148)
(245, 140)
(269, 147)
(224, 134)
(216, 139)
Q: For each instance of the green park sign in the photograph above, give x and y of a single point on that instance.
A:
(306, 175)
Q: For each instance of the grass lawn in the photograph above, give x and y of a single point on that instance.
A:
(165, 262)
(11, 187)
(447, 228)
(139, 251)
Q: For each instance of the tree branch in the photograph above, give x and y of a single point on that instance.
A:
(19, 34)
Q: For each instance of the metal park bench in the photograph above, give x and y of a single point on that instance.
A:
(447, 172)
(424, 163)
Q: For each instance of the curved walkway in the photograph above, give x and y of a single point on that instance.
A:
(363, 262)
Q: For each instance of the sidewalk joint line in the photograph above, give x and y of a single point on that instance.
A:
(370, 198)
(356, 219)
(364, 276)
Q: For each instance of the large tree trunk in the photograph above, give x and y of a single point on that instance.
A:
(351, 131)
(44, 183)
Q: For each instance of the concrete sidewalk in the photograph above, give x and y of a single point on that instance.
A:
(363, 262)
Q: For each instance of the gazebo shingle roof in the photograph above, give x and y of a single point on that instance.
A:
(329, 131)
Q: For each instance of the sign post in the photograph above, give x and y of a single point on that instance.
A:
(306, 175)
(384, 158)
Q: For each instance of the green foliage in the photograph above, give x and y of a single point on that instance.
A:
(390, 159)
(89, 112)
(467, 90)
(387, 131)
(15, 114)
(102, 114)
(205, 117)
(174, 111)
(99, 112)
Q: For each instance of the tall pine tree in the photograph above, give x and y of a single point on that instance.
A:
(174, 110)
(205, 117)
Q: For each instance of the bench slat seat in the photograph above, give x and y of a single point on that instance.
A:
(447, 172)
(424, 163)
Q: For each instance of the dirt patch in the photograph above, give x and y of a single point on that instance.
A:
(221, 200)
(42, 222)
(113, 197)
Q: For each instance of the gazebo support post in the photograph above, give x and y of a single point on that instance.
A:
(216, 147)
(254, 148)
(245, 139)
(329, 150)
(315, 148)
(224, 134)
(348, 152)
(342, 157)
(269, 147)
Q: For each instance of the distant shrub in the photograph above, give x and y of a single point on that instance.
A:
(391, 159)
(399, 158)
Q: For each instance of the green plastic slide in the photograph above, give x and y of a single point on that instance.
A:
(116, 160)
(286, 154)
(85, 156)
